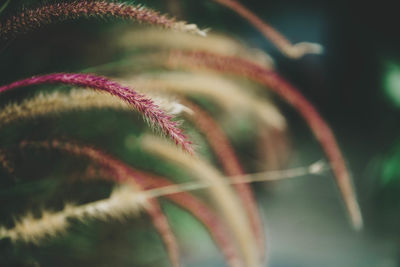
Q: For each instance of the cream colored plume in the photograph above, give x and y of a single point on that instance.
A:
(226, 93)
(166, 39)
(124, 201)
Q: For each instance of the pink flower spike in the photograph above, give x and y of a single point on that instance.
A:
(141, 103)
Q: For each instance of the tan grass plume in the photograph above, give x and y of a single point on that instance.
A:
(150, 38)
(124, 201)
(227, 94)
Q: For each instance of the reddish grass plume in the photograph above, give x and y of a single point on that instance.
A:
(118, 172)
(151, 112)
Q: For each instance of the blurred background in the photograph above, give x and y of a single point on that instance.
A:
(355, 84)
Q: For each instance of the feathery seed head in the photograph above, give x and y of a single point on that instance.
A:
(141, 103)
(31, 19)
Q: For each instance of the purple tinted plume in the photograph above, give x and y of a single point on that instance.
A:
(151, 112)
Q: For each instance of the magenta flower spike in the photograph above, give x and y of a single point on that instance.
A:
(151, 112)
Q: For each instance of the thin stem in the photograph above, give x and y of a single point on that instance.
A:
(316, 168)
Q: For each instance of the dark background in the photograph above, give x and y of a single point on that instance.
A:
(305, 221)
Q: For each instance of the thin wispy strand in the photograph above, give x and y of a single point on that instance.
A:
(281, 42)
(30, 19)
(289, 93)
(316, 168)
(150, 111)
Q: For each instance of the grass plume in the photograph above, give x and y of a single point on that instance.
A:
(119, 172)
(213, 87)
(281, 42)
(123, 202)
(30, 19)
(45, 104)
(151, 112)
(290, 94)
